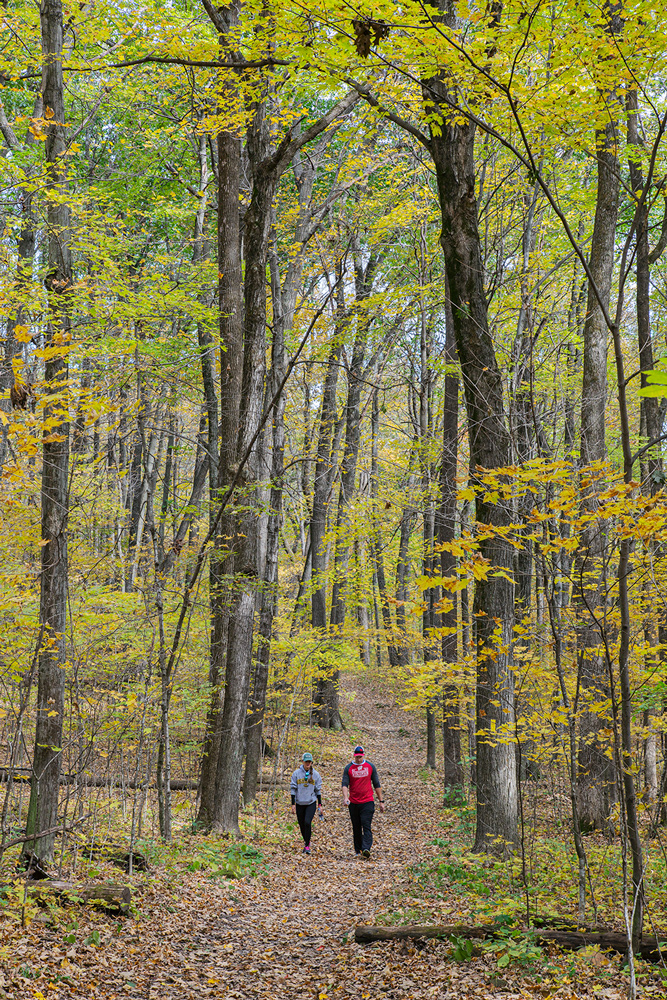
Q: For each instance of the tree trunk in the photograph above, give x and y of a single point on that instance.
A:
(269, 593)
(596, 779)
(246, 557)
(376, 545)
(326, 693)
(43, 806)
(19, 390)
(446, 533)
(223, 424)
(402, 573)
(327, 687)
(452, 149)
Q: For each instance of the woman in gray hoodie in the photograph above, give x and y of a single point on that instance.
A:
(306, 792)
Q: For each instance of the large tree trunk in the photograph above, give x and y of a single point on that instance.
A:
(596, 779)
(223, 425)
(452, 148)
(267, 168)
(247, 554)
(43, 806)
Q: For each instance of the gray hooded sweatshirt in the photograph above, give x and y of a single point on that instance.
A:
(306, 787)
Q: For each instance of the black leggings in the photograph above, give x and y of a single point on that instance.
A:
(305, 814)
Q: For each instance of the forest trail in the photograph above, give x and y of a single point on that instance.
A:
(288, 933)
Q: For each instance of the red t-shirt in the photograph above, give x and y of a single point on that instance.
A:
(361, 780)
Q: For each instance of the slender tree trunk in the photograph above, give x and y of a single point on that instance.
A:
(46, 767)
(446, 533)
(402, 573)
(327, 687)
(326, 692)
(269, 592)
(19, 390)
(431, 596)
(376, 546)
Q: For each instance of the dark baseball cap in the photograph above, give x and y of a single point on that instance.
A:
(358, 750)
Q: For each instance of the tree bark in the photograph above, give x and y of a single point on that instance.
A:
(376, 544)
(446, 533)
(596, 780)
(223, 423)
(452, 149)
(325, 696)
(43, 805)
(565, 938)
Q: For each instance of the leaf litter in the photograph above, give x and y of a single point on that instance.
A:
(289, 931)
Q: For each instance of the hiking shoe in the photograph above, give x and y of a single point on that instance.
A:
(366, 853)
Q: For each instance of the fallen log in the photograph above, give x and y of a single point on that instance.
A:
(648, 949)
(110, 898)
(366, 934)
(95, 781)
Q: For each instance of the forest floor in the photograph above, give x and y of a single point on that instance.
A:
(288, 931)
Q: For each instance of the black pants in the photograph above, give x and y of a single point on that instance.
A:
(361, 814)
(305, 814)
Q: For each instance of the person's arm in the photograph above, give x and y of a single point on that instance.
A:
(375, 778)
(345, 786)
(318, 789)
(292, 789)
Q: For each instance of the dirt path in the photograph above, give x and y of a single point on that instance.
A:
(287, 934)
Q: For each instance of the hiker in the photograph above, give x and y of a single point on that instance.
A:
(360, 777)
(306, 792)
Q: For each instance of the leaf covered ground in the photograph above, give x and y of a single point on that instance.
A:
(285, 927)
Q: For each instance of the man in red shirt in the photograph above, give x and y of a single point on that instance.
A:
(360, 777)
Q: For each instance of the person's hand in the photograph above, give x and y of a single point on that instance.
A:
(294, 810)
(346, 802)
(381, 807)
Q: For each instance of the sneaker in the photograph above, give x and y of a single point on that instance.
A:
(366, 853)
(306, 849)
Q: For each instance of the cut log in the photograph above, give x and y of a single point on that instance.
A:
(648, 949)
(111, 898)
